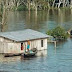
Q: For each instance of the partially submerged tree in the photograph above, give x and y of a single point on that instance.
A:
(58, 33)
(3, 13)
(0, 9)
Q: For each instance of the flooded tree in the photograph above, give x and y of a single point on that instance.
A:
(61, 3)
(58, 33)
(3, 10)
(0, 8)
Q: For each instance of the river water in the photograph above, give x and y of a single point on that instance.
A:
(57, 59)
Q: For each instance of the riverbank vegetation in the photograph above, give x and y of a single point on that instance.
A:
(58, 33)
(34, 4)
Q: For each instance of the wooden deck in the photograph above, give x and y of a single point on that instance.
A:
(52, 42)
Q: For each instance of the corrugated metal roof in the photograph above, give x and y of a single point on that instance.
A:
(23, 35)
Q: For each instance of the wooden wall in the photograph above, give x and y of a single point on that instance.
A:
(7, 46)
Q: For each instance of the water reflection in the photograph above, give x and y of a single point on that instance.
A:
(17, 58)
(8, 59)
(41, 21)
(20, 64)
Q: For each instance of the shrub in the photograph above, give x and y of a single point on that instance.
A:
(22, 8)
(58, 33)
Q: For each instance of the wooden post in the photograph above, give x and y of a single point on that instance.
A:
(55, 44)
(55, 50)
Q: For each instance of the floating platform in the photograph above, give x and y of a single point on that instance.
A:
(11, 55)
(30, 53)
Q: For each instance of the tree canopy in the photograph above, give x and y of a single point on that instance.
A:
(58, 33)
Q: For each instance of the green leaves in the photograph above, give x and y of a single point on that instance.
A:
(58, 33)
(22, 8)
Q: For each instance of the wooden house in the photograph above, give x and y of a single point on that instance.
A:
(12, 42)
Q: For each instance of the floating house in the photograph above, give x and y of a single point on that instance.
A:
(16, 42)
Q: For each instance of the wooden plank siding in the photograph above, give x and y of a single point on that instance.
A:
(8, 46)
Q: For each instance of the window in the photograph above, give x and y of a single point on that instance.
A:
(41, 43)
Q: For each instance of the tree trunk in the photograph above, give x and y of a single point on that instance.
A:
(4, 15)
(53, 3)
(0, 7)
(48, 5)
(71, 4)
(63, 3)
(36, 6)
(29, 5)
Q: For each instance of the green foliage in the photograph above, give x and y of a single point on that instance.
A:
(14, 8)
(22, 8)
(1, 9)
(58, 33)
